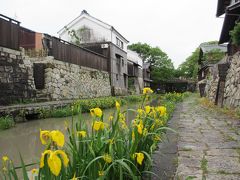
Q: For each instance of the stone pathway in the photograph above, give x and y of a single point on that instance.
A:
(165, 157)
(208, 144)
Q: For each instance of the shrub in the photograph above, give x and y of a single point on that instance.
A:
(6, 122)
(87, 104)
(235, 34)
(173, 97)
(133, 98)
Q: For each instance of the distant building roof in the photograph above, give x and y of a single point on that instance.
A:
(221, 6)
(134, 57)
(231, 17)
(146, 65)
(209, 47)
(84, 12)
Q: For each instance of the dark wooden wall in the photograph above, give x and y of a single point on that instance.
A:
(9, 32)
(67, 52)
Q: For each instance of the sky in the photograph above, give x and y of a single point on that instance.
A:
(176, 27)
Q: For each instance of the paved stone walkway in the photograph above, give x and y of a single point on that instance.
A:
(165, 157)
(208, 144)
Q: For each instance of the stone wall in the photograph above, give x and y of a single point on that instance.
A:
(16, 77)
(62, 80)
(212, 84)
(70, 81)
(232, 85)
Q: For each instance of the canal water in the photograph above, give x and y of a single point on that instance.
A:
(24, 137)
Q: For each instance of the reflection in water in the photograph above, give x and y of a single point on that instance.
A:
(24, 138)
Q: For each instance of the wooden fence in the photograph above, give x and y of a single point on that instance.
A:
(67, 52)
(27, 38)
(12, 36)
(9, 32)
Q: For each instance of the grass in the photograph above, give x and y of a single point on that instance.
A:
(6, 122)
(190, 177)
(234, 113)
(204, 166)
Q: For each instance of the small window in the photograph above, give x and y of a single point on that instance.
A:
(122, 62)
(117, 77)
(117, 41)
(121, 44)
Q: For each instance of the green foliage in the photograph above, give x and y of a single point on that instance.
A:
(173, 97)
(161, 65)
(87, 104)
(235, 34)
(189, 68)
(213, 56)
(142, 49)
(118, 149)
(6, 122)
(133, 98)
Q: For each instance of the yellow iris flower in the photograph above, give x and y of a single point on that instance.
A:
(82, 133)
(96, 112)
(110, 118)
(140, 157)
(53, 160)
(133, 135)
(56, 136)
(44, 136)
(34, 171)
(140, 127)
(107, 158)
(147, 90)
(162, 110)
(147, 109)
(5, 158)
(101, 173)
(117, 105)
(97, 125)
(140, 112)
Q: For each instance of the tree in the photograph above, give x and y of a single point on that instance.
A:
(189, 68)
(161, 65)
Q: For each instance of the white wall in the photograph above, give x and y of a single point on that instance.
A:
(100, 31)
(114, 35)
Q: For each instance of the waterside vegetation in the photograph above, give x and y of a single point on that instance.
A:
(117, 149)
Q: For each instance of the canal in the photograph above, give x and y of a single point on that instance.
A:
(24, 137)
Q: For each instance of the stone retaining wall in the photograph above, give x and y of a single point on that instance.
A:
(16, 77)
(70, 81)
(232, 86)
(212, 84)
(62, 80)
